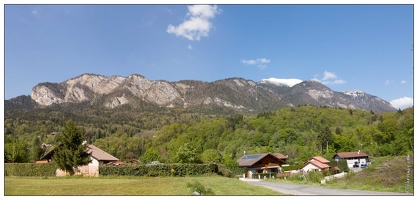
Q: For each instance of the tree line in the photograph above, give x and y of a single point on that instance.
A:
(298, 132)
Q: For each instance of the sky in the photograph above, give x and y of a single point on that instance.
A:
(345, 47)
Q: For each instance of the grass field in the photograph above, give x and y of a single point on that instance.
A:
(127, 186)
(386, 174)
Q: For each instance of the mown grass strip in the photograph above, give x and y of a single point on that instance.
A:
(127, 186)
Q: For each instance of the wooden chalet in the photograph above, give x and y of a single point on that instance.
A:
(261, 163)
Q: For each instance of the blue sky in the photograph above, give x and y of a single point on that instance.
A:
(346, 47)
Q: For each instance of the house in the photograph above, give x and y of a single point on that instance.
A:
(316, 163)
(98, 158)
(353, 158)
(261, 163)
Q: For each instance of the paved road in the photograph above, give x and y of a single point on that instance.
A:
(296, 189)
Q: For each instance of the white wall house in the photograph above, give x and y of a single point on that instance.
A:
(352, 158)
(98, 158)
(316, 163)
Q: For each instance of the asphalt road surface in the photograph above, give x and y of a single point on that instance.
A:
(296, 189)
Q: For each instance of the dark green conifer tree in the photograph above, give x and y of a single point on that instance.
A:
(72, 150)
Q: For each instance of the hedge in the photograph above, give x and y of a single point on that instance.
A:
(290, 168)
(30, 169)
(267, 175)
(158, 170)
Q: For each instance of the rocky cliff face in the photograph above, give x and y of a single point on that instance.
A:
(235, 93)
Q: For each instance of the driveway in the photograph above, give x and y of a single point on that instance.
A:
(296, 189)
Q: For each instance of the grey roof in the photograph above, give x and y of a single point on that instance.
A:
(94, 151)
(99, 154)
(249, 160)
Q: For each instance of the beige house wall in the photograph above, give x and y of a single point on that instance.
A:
(92, 169)
(310, 167)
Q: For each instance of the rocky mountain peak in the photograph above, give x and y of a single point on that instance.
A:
(235, 93)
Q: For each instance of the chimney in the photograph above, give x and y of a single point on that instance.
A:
(358, 152)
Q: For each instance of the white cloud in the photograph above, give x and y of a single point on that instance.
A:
(329, 75)
(198, 24)
(402, 103)
(263, 60)
(190, 46)
(260, 62)
(249, 62)
(329, 78)
(203, 11)
(403, 82)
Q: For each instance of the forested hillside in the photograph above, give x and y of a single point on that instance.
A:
(299, 132)
(170, 135)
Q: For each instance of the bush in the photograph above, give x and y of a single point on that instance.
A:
(314, 177)
(341, 164)
(30, 169)
(198, 187)
(223, 171)
(237, 170)
(297, 177)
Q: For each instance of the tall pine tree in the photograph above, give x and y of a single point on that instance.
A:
(71, 151)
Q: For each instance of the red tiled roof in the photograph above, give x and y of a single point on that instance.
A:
(321, 159)
(319, 164)
(316, 163)
(351, 154)
(279, 155)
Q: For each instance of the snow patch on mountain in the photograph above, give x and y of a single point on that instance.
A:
(354, 93)
(280, 82)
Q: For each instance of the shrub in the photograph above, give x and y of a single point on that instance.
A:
(298, 177)
(198, 187)
(341, 164)
(223, 171)
(314, 177)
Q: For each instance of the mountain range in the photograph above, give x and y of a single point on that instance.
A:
(236, 94)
